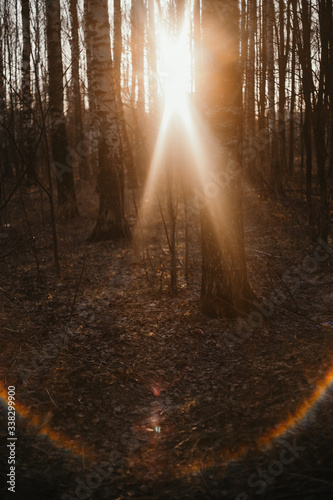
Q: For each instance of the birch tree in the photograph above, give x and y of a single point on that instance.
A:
(111, 222)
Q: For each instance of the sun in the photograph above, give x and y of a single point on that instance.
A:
(174, 70)
(174, 76)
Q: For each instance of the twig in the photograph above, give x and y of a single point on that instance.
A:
(265, 253)
(52, 399)
(14, 190)
(288, 290)
(164, 224)
(310, 478)
(10, 296)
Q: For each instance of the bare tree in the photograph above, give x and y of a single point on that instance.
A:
(292, 94)
(321, 113)
(27, 116)
(75, 53)
(64, 172)
(92, 124)
(3, 138)
(304, 53)
(263, 66)
(274, 164)
(283, 50)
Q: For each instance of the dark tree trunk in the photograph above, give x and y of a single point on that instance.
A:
(250, 69)
(304, 50)
(283, 59)
(292, 99)
(273, 160)
(244, 40)
(329, 77)
(263, 80)
(3, 125)
(27, 126)
(4, 160)
(60, 149)
(83, 164)
(93, 125)
(320, 118)
(249, 125)
(225, 289)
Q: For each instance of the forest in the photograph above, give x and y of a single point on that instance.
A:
(166, 244)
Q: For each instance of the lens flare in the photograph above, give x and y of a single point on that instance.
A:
(153, 424)
(38, 424)
(266, 441)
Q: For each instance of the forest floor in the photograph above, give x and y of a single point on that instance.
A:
(125, 390)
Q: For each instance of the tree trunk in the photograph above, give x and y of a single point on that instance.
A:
(139, 28)
(283, 58)
(117, 50)
(60, 149)
(93, 125)
(274, 165)
(225, 289)
(197, 46)
(180, 13)
(4, 160)
(262, 85)
(244, 40)
(292, 101)
(304, 50)
(27, 128)
(138, 91)
(250, 69)
(320, 119)
(83, 165)
(111, 222)
(152, 59)
(10, 73)
(329, 76)
(249, 125)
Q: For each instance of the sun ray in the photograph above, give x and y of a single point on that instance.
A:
(174, 75)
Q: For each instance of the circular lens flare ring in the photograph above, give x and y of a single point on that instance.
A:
(263, 442)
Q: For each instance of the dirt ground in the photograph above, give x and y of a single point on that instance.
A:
(125, 390)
